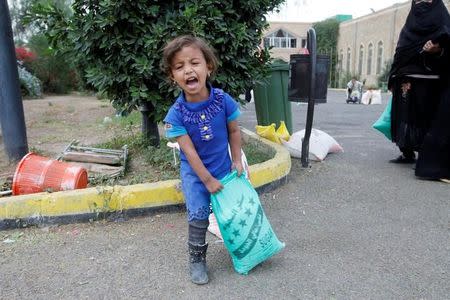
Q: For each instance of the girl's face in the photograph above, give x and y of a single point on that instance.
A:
(190, 71)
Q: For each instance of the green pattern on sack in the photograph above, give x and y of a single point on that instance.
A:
(246, 232)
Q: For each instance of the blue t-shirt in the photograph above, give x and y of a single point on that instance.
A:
(206, 124)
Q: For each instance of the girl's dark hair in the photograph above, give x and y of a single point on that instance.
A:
(178, 43)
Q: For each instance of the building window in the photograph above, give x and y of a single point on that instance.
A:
(349, 56)
(360, 60)
(379, 57)
(303, 43)
(341, 60)
(280, 39)
(369, 59)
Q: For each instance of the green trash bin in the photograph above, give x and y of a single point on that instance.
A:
(271, 99)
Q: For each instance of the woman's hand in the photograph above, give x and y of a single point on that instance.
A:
(432, 48)
(213, 185)
(238, 167)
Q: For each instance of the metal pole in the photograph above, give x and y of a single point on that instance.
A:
(311, 100)
(12, 118)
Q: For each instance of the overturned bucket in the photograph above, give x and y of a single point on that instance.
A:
(36, 174)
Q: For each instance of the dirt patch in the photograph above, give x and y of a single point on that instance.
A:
(53, 122)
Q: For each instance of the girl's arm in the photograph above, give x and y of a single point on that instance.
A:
(234, 138)
(211, 183)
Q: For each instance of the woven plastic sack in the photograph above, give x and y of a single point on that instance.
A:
(246, 232)
(320, 144)
(383, 124)
(269, 132)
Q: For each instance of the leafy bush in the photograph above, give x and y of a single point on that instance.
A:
(25, 55)
(57, 73)
(29, 84)
(120, 43)
(384, 76)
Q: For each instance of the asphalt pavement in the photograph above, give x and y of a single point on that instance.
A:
(355, 227)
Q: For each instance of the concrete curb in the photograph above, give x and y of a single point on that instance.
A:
(125, 201)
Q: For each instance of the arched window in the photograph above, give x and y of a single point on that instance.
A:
(349, 56)
(369, 58)
(280, 39)
(379, 57)
(360, 59)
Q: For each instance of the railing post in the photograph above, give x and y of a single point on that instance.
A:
(310, 113)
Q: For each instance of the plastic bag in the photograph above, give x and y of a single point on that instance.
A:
(383, 124)
(273, 135)
(246, 232)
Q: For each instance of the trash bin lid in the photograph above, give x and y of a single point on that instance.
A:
(279, 66)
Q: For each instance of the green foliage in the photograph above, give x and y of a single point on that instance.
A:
(327, 33)
(17, 11)
(29, 84)
(257, 152)
(120, 42)
(57, 73)
(384, 75)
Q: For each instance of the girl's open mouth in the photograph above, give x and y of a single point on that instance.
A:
(191, 82)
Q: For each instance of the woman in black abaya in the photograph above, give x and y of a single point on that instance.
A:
(434, 156)
(416, 76)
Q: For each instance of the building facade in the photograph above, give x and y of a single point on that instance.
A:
(286, 38)
(365, 44)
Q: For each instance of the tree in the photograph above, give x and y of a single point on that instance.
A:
(327, 33)
(17, 10)
(121, 41)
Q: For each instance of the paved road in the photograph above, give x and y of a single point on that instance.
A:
(355, 227)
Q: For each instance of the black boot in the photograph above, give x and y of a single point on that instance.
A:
(197, 263)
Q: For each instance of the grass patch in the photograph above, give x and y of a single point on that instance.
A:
(257, 152)
(147, 163)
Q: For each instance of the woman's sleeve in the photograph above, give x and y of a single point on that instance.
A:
(173, 124)
(231, 108)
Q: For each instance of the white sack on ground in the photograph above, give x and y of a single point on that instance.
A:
(371, 97)
(320, 144)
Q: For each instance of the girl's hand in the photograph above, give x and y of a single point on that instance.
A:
(213, 185)
(431, 48)
(238, 167)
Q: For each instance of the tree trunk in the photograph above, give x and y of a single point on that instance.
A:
(149, 126)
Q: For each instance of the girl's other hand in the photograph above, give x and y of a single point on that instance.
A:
(238, 167)
(430, 47)
(213, 185)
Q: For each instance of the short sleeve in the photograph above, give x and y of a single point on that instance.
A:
(173, 124)
(231, 108)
